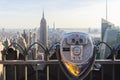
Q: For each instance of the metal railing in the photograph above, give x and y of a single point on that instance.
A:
(14, 65)
(36, 62)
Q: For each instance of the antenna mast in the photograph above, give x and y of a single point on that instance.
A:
(106, 10)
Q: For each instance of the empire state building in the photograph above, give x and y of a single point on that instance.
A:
(43, 32)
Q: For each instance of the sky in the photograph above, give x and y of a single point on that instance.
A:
(62, 13)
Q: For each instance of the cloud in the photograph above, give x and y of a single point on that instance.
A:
(63, 12)
(30, 5)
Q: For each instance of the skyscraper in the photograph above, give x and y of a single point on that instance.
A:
(43, 31)
(43, 39)
(110, 35)
(104, 25)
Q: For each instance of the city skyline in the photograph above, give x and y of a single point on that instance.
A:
(64, 13)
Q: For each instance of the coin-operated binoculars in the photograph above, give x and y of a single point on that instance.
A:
(76, 55)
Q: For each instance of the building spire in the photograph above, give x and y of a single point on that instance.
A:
(43, 14)
(54, 25)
